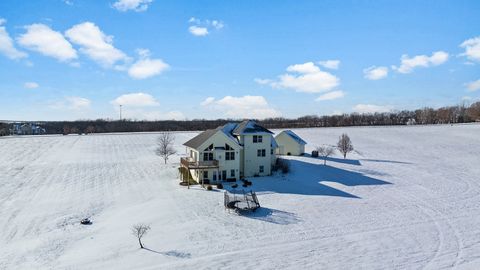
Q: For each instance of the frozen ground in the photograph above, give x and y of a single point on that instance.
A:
(408, 199)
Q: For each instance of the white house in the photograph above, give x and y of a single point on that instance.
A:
(290, 143)
(230, 152)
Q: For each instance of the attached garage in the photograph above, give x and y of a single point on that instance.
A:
(290, 143)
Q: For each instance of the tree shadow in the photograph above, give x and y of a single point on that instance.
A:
(387, 161)
(172, 253)
(338, 160)
(273, 216)
(306, 179)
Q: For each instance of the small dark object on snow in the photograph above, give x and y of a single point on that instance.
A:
(314, 153)
(86, 221)
(234, 185)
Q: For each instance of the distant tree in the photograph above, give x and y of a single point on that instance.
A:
(139, 231)
(66, 130)
(75, 130)
(90, 129)
(344, 145)
(165, 145)
(325, 152)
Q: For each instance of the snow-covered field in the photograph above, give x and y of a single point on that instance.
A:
(409, 198)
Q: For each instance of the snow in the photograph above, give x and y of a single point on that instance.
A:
(407, 198)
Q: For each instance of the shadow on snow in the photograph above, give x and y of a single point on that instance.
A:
(306, 179)
(172, 253)
(273, 216)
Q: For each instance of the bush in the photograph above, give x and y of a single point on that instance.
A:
(282, 165)
(209, 187)
(219, 186)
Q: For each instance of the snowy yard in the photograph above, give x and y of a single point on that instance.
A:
(409, 198)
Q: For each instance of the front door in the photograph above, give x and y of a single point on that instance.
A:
(224, 175)
(214, 175)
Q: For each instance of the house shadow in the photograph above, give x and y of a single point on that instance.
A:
(172, 253)
(306, 179)
(273, 216)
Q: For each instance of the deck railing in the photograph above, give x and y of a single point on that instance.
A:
(192, 164)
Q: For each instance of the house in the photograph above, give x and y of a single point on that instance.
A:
(290, 143)
(230, 152)
(26, 129)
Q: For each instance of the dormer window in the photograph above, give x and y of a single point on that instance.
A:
(257, 138)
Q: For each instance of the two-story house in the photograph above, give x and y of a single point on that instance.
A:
(230, 152)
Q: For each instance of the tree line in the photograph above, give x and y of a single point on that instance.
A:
(444, 115)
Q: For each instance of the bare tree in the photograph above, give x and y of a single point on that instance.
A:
(165, 145)
(344, 145)
(325, 152)
(139, 231)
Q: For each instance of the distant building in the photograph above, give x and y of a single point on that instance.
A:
(26, 129)
(290, 143)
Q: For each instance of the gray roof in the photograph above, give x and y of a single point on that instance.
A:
(229, 129)
(198, 140)
(250, 126)
(294, 136)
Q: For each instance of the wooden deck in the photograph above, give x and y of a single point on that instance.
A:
(194, 165)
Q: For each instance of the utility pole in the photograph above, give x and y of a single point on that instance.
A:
(120, 112)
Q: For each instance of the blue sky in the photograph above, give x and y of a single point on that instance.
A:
(67, 60)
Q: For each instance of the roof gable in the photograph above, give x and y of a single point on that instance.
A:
(294, 136)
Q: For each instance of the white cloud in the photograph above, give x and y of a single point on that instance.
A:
(31, 85)
(408, 64)
(135, 100)
(330, 64)
(201, 28)
(146, 67)
(369, 108)
(198, 31)
(6, 44)
(472, 48)
(262, 81)
(331, 95)
(306, 78)
(207, 101)
(308, 67)
(466, 98)
(43, 39)
(375, 73)
(95, 44)
(72, 103)
(68, 2)
(473, 86)
(242, 107)
(135, 5)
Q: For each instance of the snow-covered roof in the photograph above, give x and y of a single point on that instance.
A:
(295, 136)
(250, 126)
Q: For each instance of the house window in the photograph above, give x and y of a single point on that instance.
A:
(209, 148)
(261, 169)
(205, 174)
(271, 151)
(260, 152)
(230, 152)
(257, 139)
(207, 156)
(232, 173)
(230, 156)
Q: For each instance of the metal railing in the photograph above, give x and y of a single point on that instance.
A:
(193, 164)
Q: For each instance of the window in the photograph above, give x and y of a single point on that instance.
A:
(271, 151)
(260, 152)
(209, 148)
(257, 139)
(230, 156)
(230, 152)
(205, 174)
(232, 173)
(207, 156)
(261, 169)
